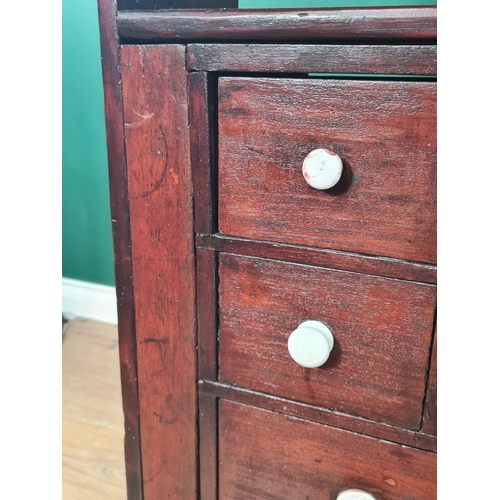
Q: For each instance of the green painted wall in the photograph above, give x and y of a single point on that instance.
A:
(87, 245)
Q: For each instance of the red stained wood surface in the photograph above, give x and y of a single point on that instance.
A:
(379, 266)
(429, 420)
(385, 133)
(160, 189)
(206, 283)
(320, 415)
(382, 330)
(208, 424)
(409, 23)
(268, 455)
(388, 59)
(202, 139)
(360, 239)
(120, 224)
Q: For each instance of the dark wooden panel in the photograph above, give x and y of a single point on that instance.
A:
(136, 4)
(198, 4)
(208, 446)
(206, 283)
(429, 420)
(120, 224)
(397, 60)
(202, 139)
(415, 23)
(379, 266)
(385, 133)
(319, 415)
(160, 190)
(382, 330)
(268, 455)
(176, 4)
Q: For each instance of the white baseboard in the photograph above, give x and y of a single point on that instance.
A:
(89, 300)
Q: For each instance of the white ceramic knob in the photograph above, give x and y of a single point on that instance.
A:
(310, 344)
(355, 495)
(322, 168)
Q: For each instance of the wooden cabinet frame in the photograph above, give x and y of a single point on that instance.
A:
(159, 72)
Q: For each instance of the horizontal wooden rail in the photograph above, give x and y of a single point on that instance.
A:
(325, 416)
(406, 23)
(377, 59)
(335, 259)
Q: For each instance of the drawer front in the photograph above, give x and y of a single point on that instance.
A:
(382, 332)
(385, 134)
(268, 455)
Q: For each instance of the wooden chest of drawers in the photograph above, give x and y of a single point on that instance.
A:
(223, 248)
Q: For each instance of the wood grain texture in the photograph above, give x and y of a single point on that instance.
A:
(384, 59)
(206, 283)
(160, 190)
(404, 23)
(93, 462)
(378, 266)
(120, 223)
(91, 374)
(202, 139)
(382, 330)
(282, 457)
(320, 415)
(429, 419)
(385, 133)
(208, 422)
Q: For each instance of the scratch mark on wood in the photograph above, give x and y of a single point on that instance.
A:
(164, 420)
(154, 341)
(144, 118)
(160, 180)
(175, 177)
(151, 479)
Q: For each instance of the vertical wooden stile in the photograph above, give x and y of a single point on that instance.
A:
(120, 215)
(160, 188)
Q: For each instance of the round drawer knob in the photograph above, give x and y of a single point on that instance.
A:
(355, 495)
(310, 344)
(322, 169)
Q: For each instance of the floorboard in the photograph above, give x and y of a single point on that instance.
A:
(92, 433)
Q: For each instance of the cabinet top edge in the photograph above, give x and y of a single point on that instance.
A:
(417, 23)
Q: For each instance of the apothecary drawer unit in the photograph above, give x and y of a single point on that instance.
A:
(385, 201)
(279, 456)
(273, 197)
(382, 330)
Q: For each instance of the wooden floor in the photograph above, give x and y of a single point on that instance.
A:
(93, 461)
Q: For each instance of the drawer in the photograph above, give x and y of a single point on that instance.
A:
(385, 134)
(382, 332)
(269, 455)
